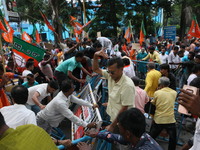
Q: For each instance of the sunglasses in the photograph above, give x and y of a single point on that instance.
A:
(111, 72)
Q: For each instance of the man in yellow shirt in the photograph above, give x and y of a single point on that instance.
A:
(164, 118)
(25, 137)
(121, 89)
(151, 79)
(153, 55)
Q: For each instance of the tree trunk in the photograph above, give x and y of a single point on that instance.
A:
(183, 20)
(55, 17)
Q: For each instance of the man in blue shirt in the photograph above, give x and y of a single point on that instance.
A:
(131, 125)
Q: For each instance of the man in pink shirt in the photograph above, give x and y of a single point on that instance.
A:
(141, 97)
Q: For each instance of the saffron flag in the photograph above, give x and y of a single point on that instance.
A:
(78, 28)
(128, 34)
(8, 36)
(142, 33)
(47, 22)
(36, 35)
(26, 37)
(194, 29)
(2, 27)
(24, 51)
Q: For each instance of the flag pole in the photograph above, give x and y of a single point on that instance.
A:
(2, 54)
(84, 14)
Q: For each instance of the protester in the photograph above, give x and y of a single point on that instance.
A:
(29, 137)
(164, 118)
(141, 97)
(165, 71)
(65, 69)
(131, 125)
(38, 93)
(17, 114)
(174, 58)
(151, 79)
(163, 56)
(46, 67)
(28, 70)
(4, 78)
(31, 81)
(58, 109)
(128, 67)
(121, 89)
(153, 55)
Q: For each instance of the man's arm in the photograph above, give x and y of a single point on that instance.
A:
(74, 78)
(85, 71)
(95, 65)
(36, 101)
(147, 57)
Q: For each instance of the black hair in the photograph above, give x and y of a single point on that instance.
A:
(53, 84)
(66, 85)
(97, 44)
(29, 63)
(165, 67)
(30, 75)
(133, 120)
(180, 52)
(182, 46)
(196, 68)
(19, 94)
(126, 61)
(136, 81)
(2, 120)
(79, 54)
(151, 48)
(116, 60)
(192, 53)
(176, 48)
(195, 82)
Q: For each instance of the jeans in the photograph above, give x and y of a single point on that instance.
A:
(171, 130)
(34, 108)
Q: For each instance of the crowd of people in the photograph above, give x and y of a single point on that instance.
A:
(46, 90)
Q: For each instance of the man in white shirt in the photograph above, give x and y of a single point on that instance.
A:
(163, 56)
(17, 114)
(128, 69)
(174, 58)
(106, 43)
(29, 68)
(38, 93)
(58, 109)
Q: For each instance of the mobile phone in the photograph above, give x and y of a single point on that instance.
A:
(191, 89)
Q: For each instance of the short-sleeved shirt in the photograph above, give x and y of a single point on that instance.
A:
(27, 85)
(68, 65)
(29, 137)
(120, 94)
(17, 115)
(41, 89)
(164, 100)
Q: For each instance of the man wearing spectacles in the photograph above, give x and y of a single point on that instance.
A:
(121, 89)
